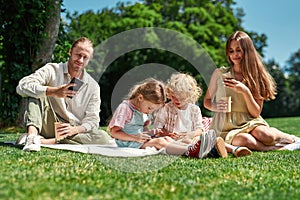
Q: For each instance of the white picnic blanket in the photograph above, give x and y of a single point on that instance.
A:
(111, 150)
(106, 150)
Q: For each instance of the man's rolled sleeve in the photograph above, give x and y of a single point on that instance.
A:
(35, 85)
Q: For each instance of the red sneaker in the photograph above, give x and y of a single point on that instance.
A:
(193, 151)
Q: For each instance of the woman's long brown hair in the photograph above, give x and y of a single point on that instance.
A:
(256, 77)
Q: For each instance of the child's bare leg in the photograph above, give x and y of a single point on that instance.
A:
(158, 143)
(229, 147)
(176, 148)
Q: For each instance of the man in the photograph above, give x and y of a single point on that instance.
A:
(50, 99)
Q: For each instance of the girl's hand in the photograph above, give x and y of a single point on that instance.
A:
(189, 135)
(142, 137)
(152, 133)
(163, 133)
(174, 135)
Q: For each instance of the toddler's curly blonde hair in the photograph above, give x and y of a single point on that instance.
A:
(183, 86)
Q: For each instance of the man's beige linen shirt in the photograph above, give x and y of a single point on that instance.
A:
(83, 109)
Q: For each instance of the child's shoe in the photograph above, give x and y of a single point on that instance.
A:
(241, 151)
(209, 140)
(203, 146)
(219, 150)
(193, 150)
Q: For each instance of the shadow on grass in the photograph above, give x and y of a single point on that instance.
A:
(8, 140)
(10, 144)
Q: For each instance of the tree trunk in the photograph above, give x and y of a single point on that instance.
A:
(46, 48)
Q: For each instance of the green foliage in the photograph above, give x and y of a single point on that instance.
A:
(207, 22)
(282, 98)
(57, 174)
(22, 30)
(62, 45)
(288, 93)
(293, 70)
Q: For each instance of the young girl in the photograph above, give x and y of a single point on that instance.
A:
(248, 83)
(130, 121)
(181, 118)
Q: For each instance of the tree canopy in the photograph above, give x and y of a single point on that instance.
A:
(27, 41)
(209, 23)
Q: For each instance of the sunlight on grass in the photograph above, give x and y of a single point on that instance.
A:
(57, 174)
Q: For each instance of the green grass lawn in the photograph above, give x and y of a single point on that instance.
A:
(57, 174)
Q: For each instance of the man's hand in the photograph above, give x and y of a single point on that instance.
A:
(65, 130)
(61, 91)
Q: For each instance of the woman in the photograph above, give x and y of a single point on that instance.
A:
(248, 83)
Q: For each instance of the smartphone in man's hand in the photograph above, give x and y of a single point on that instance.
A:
(76, 87)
